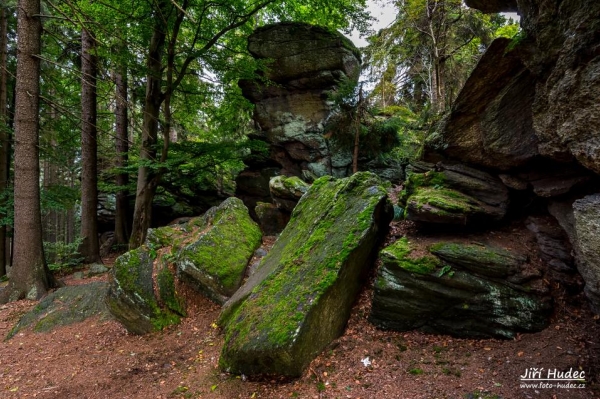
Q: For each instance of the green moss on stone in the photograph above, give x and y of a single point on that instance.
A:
(415, 181)
(445, 200)
(399, 252)
(317, 242)
(485, 260)
(168, 293)
(162, 236)
(222, 252)
(133, 276)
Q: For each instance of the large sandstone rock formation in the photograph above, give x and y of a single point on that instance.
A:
(292, 103)
(209, 253)
(299, 298)
(529, 115)
(559, 48)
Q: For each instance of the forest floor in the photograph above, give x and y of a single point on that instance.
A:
(99, 359)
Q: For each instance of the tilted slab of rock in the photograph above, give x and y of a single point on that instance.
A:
(215, 257)
(491, 122)
(424, 292)
(456, 195)
(210, 253)
(300, 297)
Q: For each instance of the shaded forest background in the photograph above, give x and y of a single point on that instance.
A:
(140, 110)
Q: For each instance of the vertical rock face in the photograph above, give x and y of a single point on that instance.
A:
(292, 101)
(299, 298)
(587, 228)
(530, 114)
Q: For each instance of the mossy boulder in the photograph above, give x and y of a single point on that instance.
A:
(480, 259)
(67, 305)
(300, 297)
(132, 297)
(216, 253)
(287, 191)
(441, 205)
(450, 197)
(210, 253)
(416, 290)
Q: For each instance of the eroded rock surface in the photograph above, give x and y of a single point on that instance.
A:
(454, 194)
(290, 112)
(299, 298)
(586, 212)
(67, 305)
(466, 290)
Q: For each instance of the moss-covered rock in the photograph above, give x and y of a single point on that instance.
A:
(287, 191)
(300, 297)
(456, 195)
(440, 205)
(132, 298)
(215, 257)
(401, 251)
(417, 292)
(210, 253)
(480, 259)
(67, 305)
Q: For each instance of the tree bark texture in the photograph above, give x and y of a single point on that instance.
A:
(30, 277)
(122, 149)
(90, 250)
(4, 145)
(147, 181)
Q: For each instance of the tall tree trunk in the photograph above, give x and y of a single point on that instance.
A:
(4, 155)
(89, 249)
(147, 181)
(122, 148)
(30, 276)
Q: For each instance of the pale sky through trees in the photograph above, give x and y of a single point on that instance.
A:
(384, 12)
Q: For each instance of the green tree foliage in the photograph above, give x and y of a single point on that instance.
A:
(424, 57)
(417, 65)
